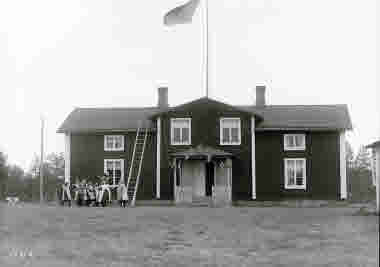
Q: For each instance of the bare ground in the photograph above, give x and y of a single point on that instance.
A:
(180, 236)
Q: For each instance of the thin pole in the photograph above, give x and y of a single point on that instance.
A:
(42, 163)
(206, 48)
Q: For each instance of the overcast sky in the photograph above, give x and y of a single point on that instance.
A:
(57, 55)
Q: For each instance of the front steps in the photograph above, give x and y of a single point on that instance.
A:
(201, 202)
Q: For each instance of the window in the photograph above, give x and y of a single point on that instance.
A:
(294, 142)
(230, 131)
(181, 131)
(115, 169)
(113, 143)
(295, 174)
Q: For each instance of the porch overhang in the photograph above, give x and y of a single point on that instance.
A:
(202, 152)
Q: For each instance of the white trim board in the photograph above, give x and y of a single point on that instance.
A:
(158, 164)
(67, 156)
(343, 175)
(253, 157)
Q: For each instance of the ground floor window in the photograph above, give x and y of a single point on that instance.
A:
(115, 169)
(295, 173)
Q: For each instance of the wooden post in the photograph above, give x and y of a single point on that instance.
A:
(42, 163)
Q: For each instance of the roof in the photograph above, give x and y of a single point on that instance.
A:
(202, 151)
(208, 101)
(305, 117)
(273, 117)
(374, 145)
(107, 119)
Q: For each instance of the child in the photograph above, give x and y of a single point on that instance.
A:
(84, 192)
(91, 195)
(104, 189)
(123, 194)
(97, 194)
(66, 196)
(76, 190)
(58, 192)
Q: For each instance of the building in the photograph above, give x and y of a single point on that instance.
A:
(376, 170)
(206, 149)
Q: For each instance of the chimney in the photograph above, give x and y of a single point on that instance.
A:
(260, 96)
(163, 97)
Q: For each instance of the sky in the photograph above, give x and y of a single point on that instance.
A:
(58, 55)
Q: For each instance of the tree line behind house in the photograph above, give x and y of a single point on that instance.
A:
(25, 184)
(14, 181)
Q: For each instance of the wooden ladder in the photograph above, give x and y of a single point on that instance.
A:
(135, 168)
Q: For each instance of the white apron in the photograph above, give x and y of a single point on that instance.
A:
(66, 193)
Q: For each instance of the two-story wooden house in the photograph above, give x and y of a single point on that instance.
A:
(206, 149)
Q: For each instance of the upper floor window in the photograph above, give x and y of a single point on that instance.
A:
(113, 143)
(295, 174)
(180, 131)
(230, 131)
(294, 142)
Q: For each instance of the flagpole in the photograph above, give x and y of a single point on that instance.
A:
(206, 48)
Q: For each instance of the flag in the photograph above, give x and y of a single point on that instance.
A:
(181, 14)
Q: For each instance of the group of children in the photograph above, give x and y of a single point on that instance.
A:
(85, 193)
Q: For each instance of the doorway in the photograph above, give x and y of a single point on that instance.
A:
(209, 178)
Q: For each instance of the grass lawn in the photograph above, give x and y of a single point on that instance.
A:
(180, 236)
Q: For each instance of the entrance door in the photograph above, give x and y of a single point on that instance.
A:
(209, 178)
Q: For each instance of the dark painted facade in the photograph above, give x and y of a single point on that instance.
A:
(87, 158)
(322, 166)
(205, 129)
(322, 155)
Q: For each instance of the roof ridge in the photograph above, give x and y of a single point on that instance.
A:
(313, 105)
(123, 108)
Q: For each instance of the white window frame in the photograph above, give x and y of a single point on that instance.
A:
(294, 136)
(172, 122)
(230, 143)
(113, 148)
(121, 166)
(304, 178)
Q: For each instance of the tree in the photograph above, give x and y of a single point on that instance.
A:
(56, 163)
(54, 168)
(3, 174)
(359, 176)
(363, 159)
(15, 185)
(350, 157)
